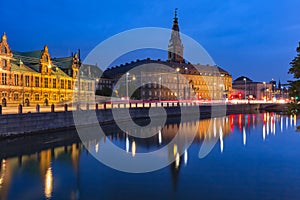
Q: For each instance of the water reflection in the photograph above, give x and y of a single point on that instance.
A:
(42, 162)
(48, 183)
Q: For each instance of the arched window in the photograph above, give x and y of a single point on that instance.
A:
(3, 49)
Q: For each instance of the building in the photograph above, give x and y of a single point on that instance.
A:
(199, 82)
(31, 78)
(244, 88)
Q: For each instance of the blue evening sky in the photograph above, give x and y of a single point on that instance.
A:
(256, 38)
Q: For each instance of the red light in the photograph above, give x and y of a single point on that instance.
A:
(240, 94)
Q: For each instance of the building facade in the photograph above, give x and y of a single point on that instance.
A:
(181, 80)
(245, 88)
(31, 78)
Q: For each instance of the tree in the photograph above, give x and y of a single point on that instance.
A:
(106, 91)
(295, 70)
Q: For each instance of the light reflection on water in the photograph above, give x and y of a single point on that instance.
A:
(59, 170)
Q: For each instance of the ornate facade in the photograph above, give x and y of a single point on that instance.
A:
(31, 78)
(183, 80)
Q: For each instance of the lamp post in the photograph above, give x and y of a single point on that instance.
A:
(186, 91)
(222, 91)
(160, 85)
(245, 86)
(265, 97)
(177, 70)
(23, 90)
(214, 85)
(127, 74)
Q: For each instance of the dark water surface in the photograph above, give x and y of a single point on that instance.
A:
(257, 156)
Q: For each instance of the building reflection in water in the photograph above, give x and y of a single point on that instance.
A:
(12, 166)
(48, 183)
(208, 129)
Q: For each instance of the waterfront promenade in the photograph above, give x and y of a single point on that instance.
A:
(63, 117)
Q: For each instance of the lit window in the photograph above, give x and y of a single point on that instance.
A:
(36, 97)
(46, 82)
(37, 82)
(16, 79)
(27, 81)
(4, 79)
(54, 83)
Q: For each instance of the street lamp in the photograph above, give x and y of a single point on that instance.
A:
(160, 85)
(265, 96)
(222, 91)
(127, 74)
(213, 97)
(245, 86)
(177, 70)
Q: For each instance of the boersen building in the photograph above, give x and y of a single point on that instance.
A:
(31, 78)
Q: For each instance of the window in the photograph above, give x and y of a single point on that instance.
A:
(4, 50)
(16, 96)
(37, 82)
(27, 81)
(36, 97)
(16, 79)
(54, 97)
(54, 83)
(4, 79)
(4, 63)
(46, 82)
(62, 84)
(69, 84)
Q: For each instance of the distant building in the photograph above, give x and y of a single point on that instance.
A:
(31, 78)
(243, 87)
(201, 81)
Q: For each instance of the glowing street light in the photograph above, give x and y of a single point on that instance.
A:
(127, 74)
(177, 70)
(245, 86)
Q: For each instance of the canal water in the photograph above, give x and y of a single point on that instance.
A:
(256, 156)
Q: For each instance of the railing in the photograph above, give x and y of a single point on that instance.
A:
(97, 106)
(115, 104)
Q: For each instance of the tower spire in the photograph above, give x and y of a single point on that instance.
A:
(175, 48)
(4, 38)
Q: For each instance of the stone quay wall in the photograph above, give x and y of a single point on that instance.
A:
(29, 123)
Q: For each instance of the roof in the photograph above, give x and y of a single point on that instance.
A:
(242, 79)
(64, 63)
(194, 69)
(21, 68)
(32, 57)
